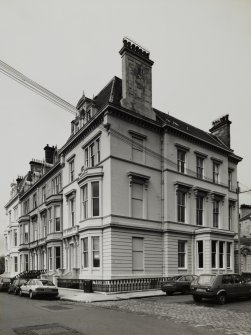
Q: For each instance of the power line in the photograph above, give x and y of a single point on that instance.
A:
(48, 95)
(35, 87)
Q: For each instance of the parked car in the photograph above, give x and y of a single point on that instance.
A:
(220, 287)
(246, 276)
(15, 286)
(4, 283)
(39, 287)
(182, 284)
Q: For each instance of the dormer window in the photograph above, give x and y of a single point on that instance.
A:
(88, 115)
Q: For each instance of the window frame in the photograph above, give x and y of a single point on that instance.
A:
(57, 257)
(93, 198)
(200, 254)
(72, 211)
(57, 219)
(85, 253)
(181, 206)
(136, 252)
(95, 252)
(200, 210)
(200, 167)
(221, 254)
(84, 201)
(182, 254)
(181, 160)
(71, 170)
(214, 254)
(137, 200)
(216, 172)
(216, 213)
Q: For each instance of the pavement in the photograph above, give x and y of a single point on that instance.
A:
(67, 294)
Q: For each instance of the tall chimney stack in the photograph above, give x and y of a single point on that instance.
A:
(136, 79)
(221, 128)
(49, 153)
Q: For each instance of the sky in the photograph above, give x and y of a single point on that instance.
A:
(201, 51)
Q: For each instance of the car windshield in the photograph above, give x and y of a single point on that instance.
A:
(183, 278)
(206, 279)
(45, 283)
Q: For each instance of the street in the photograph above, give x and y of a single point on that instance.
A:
(159, 315)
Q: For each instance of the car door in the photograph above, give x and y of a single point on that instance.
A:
(241, 287)
(228, 285)
(26, 287)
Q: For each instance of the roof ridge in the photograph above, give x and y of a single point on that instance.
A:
(111, 97)
(185, 124)
(103, 88)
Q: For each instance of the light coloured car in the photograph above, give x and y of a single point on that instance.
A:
(39, 287)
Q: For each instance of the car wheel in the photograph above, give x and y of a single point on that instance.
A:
(31, 295)
(20, 293)
(169, 293)
(185, 290)
(196, 298)
(221, 298)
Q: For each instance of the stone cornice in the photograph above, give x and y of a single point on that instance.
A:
(10, 202)
(43, 179)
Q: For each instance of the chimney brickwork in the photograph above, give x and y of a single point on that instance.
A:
(136, 79)
(221, 129)
(49, 154)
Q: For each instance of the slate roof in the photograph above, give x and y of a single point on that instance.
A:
(112, 93)
(190, 130)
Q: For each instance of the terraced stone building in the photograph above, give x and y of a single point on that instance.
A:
(133, 196)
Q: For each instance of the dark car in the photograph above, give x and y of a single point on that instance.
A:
(182, 284)
(246, 276)
(15, 286)
(4, 283)
(220, 287)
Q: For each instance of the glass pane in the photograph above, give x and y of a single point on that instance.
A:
(57, 251)
(85, 244)
(95, 189)
(57, 211)
(95, 243)
(95, 205)
(96, 260)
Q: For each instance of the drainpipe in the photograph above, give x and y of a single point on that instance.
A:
(162, 199)
(239, 232)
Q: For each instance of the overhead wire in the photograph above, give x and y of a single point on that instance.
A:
(30, 84)
(48, 95)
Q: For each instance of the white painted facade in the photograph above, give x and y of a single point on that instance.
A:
(127, 206)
